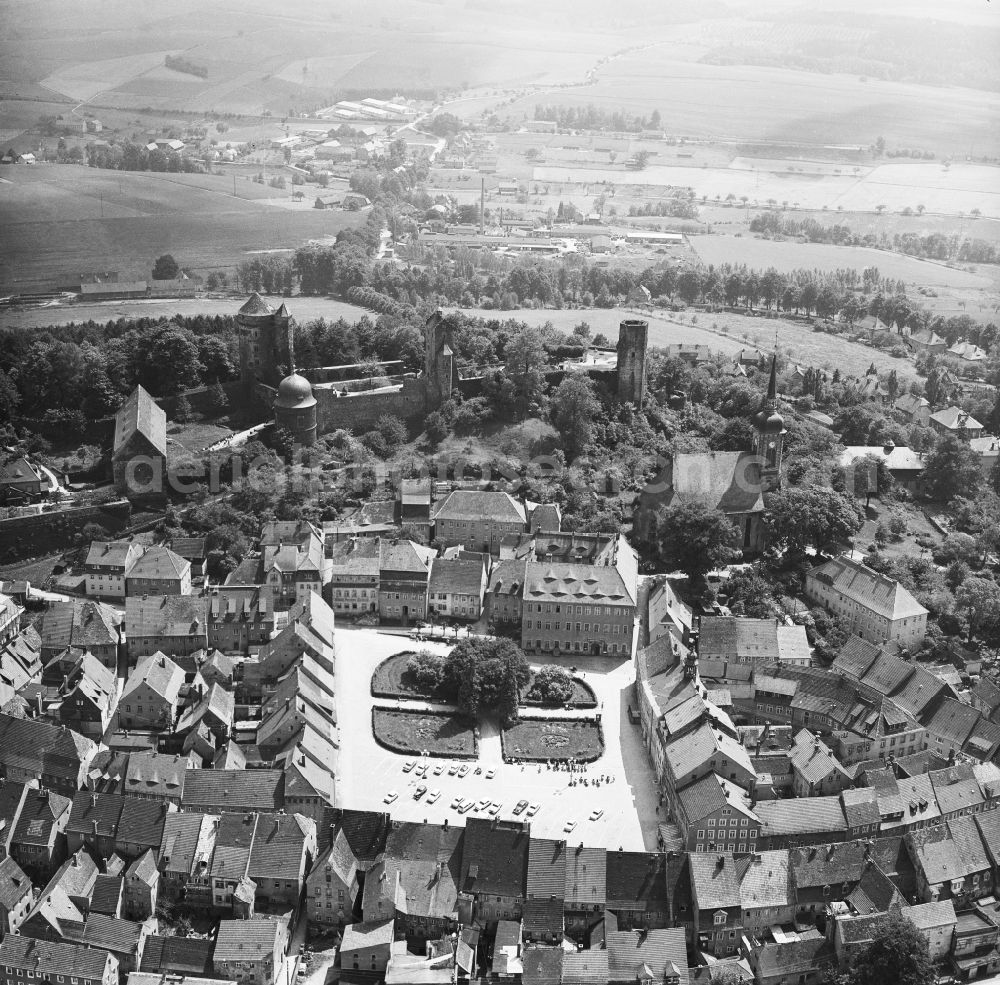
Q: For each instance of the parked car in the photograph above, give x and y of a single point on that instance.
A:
(569, 826)
(596, 815)
(439, 769)
(520, 807)
(453, 769)
(463, 770)
(495, 808)
(490, 774)
(532, 810)
(482, 805)
(419, 792)
(391, 796)
(434, 796)
(408, 765)
(456, 804)
(466, 807)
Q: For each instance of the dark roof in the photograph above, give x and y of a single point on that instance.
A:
(235, 790)
(543, 915)
(456, 577)
(824, 865)
(14, 884)
(494, 857)
(103, 808)
(142, 822)
(48, 958)
(279, 847)
(177, 955)
(140, 414)
(637, 876)
(107, 895)
(41, 809)
(542, 965)
(546, 869)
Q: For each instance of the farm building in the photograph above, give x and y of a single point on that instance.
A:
(644, 236)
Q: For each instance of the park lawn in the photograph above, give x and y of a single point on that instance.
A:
(539, 739)
(391, 680)
(582, 697)
(414, 733)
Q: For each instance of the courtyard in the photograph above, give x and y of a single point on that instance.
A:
(368, 772)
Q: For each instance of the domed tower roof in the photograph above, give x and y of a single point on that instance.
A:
(295, 393)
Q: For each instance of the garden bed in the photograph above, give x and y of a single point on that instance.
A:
(420, 732)
(539, 739)
(391, 680)
(583, 697)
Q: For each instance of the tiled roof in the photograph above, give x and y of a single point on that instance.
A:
(246, 940)
(664, 952)
(14, 884)
(585, 968)
(107, 895)
(140, 414)
(111, 552)
(102, 809)
(543, 915)
(160, 563)
(869, 589)
(546, 869)
(38, 813)
(177, 956)
(141, 822)
(47, 959)
(280, 847)
(927, 916)
(109, 933)
(160, 673)
(693, 749)
(80, 622)
(369, 934)
(766, 880)
(711, 794)
(860, 807)
(180, 839)
(636, 877)
(576, 583)
(856, 656)
(188, 547)
(143, 868)
(875, 893)
(793, 957)
(715, 881)
(542, 965)
(953, 721)
(737, 638)
(494, 857)
(803, 815)
(507, 577)
(949, 851)
(405, 555)
(470, 504)
(166, 615)
(457, 577)
(586, 876)
(235, 790)
(954, 419)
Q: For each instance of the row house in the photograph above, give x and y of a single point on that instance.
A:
(185, 853)
(404, 575)
(24, 959)
(415, 883)
(636, 887)
(494, 863)
(35, 831)
(85, 625)
(716, 903)
(54, 755)
(714, 815)
(477, 520)
(456, 588)
(175, 625)
(158, 571)
(816, 771)
(21, 659)
(88, 697)
(354, 576)
(251, 952)
(956, 860)
(106, 566)
(151, 696)
(241, 617)
(15, 896)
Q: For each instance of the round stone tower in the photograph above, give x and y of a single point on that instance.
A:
(295, 409)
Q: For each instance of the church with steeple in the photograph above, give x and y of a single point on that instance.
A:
(733, 482)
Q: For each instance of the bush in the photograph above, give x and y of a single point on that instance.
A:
(426, 669)
(551, 685)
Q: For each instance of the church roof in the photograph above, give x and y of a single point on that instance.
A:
(728, 481)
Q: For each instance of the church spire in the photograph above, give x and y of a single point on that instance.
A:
(772, 383)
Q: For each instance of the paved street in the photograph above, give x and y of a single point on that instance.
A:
(366, 771)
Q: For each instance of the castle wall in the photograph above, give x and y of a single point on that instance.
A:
(360, 411)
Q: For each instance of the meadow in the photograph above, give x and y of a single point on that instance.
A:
(787, 256)
(61, 221)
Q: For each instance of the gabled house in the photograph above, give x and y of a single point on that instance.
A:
(284, 846)
(952, 861)
(54, 755)
(158, 571)
(107, 564)
(85, 625)
(15, 896)
(175, 625)
(151, 695)
(21, 957)
(38, 836)
(636, 889)
(494, 864)
(251, 951)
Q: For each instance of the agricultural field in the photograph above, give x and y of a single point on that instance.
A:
(61, 221)
(786, 256)
(303, 308)
(895, 185)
